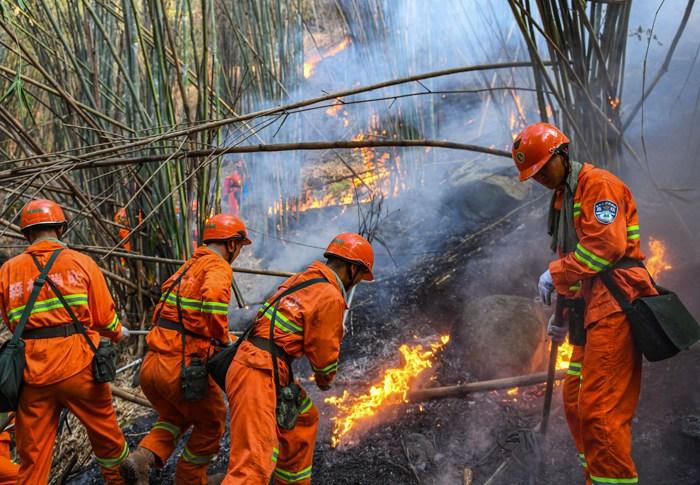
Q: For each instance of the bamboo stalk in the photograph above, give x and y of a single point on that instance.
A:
(462, 390)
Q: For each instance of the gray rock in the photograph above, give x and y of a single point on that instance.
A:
(500, 336)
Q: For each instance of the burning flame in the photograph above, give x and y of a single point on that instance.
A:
(380, 171)
(310, 65)
(657, 263)
(564, 355)
(614, 103)
(391, 390)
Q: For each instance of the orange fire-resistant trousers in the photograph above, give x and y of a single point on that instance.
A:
(37, 424)
(160, 382)
(259, 449)
(8, 470)
(601, 391)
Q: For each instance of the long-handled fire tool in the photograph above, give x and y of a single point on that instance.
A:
(529, 453)
(552, 366)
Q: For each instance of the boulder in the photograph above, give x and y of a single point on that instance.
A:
(500, 336)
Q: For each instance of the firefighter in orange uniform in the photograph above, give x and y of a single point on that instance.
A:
(58, 371)
(595, 228)
(308, 311)
(122, 218)
(195, 301)
(8, 469)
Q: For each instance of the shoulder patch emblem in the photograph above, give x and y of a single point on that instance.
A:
(605, 211)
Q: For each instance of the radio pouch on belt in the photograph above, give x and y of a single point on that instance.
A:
(576, 310)
(194, 378)
(104, 366)
(661, 325)
(12, 358)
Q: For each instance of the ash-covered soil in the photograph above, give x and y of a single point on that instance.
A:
(434, 442)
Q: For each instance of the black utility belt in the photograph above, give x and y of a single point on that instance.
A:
(178, 327)
(264, 344)
(65, 330)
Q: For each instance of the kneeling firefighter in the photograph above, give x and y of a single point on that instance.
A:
(273, 421)
(57, 302)
(188, 325)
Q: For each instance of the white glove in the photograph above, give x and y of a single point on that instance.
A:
(125, 333)
(545, 287)
(557, 333)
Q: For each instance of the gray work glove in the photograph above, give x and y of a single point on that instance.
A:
(545, 287)
(124, 333)
(557, 333)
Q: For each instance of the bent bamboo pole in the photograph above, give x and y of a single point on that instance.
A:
(482, 386)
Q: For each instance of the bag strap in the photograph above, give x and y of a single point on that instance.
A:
(276, 303)
(178, 305)
(170, 289)
(38, 284)
(615, 290)
(78, 324)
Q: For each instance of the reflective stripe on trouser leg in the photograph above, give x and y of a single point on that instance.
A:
(287, 476)
(611, 379)
(169, 427)
(297, 447)
(195, 459)
(112, 462)
(570, 396)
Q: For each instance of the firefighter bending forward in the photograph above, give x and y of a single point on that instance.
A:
(307, 322)
(203, 287)
(594, 225)
(58, 371)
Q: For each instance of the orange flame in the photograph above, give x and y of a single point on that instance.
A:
(564, 355)
(657, 263)
(310, 65)
(391, 390)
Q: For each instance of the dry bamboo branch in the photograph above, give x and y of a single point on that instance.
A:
(482, 386)
(279, 147)
(211, 125)
(129, 396)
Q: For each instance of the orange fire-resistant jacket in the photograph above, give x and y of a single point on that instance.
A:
(308, 322)
(82, 285)
(205, 292)
(607, 225)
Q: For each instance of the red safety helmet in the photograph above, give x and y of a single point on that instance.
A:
(41, 212)
(534, 146)
(222, 227)
(355, 249)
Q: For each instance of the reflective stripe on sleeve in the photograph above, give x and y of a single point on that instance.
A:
(292, 477)
(577, 209)
(112, 462)
(113, 324)
(78, 299)
(594, 262)
(332, 367)
(275, 454)
(633, 232)
(604, 480)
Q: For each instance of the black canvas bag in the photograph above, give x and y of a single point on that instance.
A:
(104, 363)
(12, 358)
(218, 365)
(661, 325)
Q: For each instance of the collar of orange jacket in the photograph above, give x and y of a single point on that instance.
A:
(45, 245)
(328, 274)
(203, 250)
